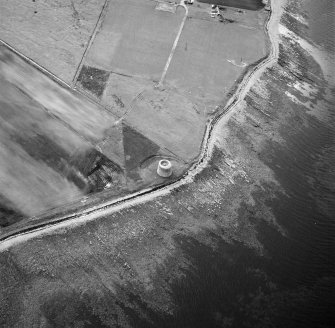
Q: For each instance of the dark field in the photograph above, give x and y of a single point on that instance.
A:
(93, 79)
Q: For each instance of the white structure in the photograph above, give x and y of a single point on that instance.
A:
(164, 168)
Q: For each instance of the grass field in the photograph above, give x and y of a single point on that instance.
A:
(211, 55)
(54, 33)
(128, 57)
(134, 39)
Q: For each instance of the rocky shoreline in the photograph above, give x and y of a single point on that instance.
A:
(221, 251)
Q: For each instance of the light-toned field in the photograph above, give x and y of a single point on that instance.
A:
(134, 39)
(54, 33)
(132, 46)
(211, 55)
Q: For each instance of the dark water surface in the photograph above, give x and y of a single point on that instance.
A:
(322, 23)
(243, 4)
(294, 284)
(227, 284)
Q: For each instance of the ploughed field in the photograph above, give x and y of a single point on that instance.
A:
(48, 137)
(83, 115)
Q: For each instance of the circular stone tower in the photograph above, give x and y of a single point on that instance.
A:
(164, 168)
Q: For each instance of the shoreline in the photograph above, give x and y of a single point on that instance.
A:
(219, 118)
(181, 141)
(219, 251)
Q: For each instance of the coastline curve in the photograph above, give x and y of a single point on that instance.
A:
(219, 119)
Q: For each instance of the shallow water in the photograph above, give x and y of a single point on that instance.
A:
(322, 23)
(293, 285)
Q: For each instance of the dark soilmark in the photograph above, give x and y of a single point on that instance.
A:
(137, 148)
(118, 101)
(89, 171)
(8, 213)
(42, 148)
(91, 161)
(92, 170)
(225, 20)
(93, 80)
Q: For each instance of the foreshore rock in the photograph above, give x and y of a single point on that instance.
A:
(210, 253)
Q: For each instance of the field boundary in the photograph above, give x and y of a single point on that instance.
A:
(108, 207)
(95, 30)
